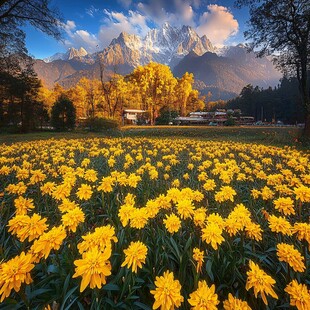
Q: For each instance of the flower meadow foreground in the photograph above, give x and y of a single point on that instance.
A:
(128, 223)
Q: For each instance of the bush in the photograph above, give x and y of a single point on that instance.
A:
(230, 122)
(100, 123)
(166, 117)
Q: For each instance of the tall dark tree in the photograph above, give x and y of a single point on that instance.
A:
(18, 82)
(63, 114)
(283, 27)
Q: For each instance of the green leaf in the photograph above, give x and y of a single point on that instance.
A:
(141, 305)
(209, 270)
(70, 292)
(37, 292)
(111, 287)
(52, 269)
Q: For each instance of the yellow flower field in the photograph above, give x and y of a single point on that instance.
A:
(128, 223)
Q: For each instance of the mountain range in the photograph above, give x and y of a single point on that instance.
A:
(223, 71)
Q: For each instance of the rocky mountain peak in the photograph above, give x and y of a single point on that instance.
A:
(70, 54)
(129, 40)
(73, 52)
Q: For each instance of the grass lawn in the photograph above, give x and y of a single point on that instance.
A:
(278, 136)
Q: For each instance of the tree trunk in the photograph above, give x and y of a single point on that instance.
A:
(304, 91)
(306, 131)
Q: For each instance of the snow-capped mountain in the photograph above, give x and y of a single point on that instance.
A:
(166, 45)
(70, 54)
(227, 69)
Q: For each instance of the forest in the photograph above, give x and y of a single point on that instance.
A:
(27, 103)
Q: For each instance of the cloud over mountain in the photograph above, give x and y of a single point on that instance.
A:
(214, 21)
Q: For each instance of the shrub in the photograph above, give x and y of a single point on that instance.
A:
(230, 122)
(100, 123)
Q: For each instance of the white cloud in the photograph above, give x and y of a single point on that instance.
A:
(79, 38)
(69, 26)
(91, 11)
(116, 22)
(218, 24)
(176, 12)
(125, 3)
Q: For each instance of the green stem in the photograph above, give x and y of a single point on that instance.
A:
(22, 295)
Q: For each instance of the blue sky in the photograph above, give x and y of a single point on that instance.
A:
(93, 24)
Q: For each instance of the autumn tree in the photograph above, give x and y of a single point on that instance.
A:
(156, 84)
(87, 97)
(283, 28)
(183, 90)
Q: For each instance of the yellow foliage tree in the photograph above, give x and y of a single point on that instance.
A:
(156, 85)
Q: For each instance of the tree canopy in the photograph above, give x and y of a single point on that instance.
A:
(283, 28)
(17, 13)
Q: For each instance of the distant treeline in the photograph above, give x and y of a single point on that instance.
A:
(282, 103)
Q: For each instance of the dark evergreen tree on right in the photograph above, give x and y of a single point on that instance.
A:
(283, 28)
(63, 114)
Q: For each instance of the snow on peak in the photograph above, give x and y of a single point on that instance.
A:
(70, 54)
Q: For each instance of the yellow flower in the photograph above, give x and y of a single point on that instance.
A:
(73, 218)
(261, 282)
(200, 217)
(302, 193)
(199, 258)
(185, 176)
(287, 253)
(67, 205)
(284, 205)
(209, 185)
(303, 231)
(61, 191)
(37, 176)
(106, 184)
(27, 227)
(134, 179)
(185, 208)
(94, 267)
(253, 231)
(172, 223)
(102, 237)
(23, 205)
(233, 303)
(135, 255)
(225, 193)
(20, 188)
(90, 175)
(167, 293)
(47, 188)
(48, 241)
(212, 233)
(216, 219)
(175, 183)
(280, 225)
(139, 218)
(15, 272)
(85, 162)
(255, 193)
(233, 225)
(267, 193)
(299, 295)
(84, 192)
(152, 207)
(204, 298)
(125, 212)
